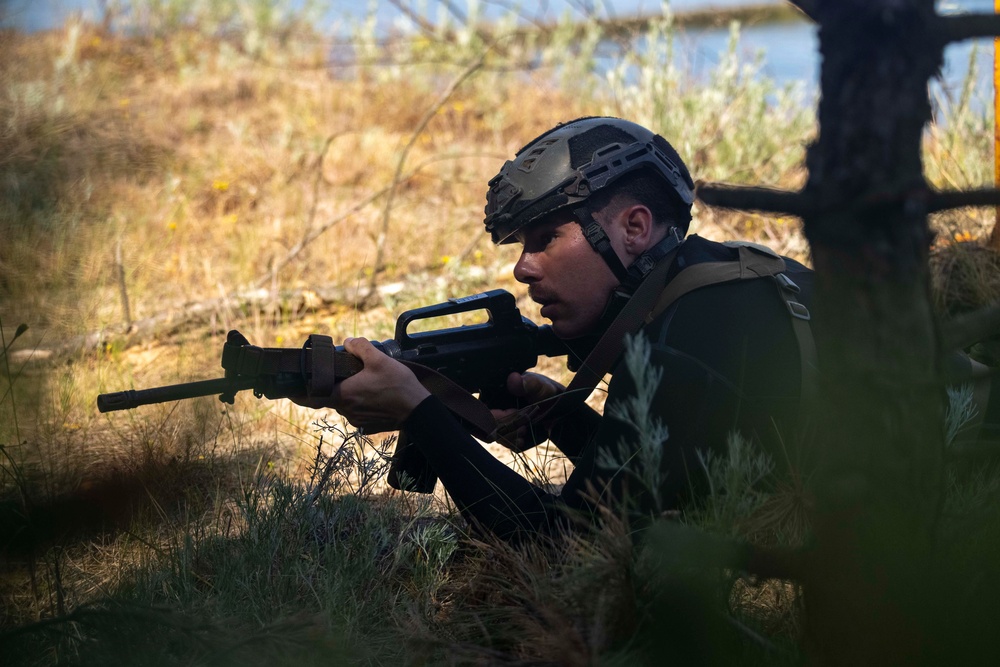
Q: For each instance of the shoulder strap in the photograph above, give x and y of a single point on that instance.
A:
(808, 359)
(754, 261)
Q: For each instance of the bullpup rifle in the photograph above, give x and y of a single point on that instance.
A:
(477, 358)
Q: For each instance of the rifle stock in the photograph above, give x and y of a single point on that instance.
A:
(477, 357)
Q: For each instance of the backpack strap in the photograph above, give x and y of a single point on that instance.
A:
(808, 359)
(754, 261)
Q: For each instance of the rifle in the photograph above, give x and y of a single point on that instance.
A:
(478, 358)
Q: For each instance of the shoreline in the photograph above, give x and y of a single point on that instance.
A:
(711, 17)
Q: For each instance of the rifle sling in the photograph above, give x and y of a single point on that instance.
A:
(601, 358)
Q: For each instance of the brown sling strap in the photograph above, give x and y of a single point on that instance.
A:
(598, 362)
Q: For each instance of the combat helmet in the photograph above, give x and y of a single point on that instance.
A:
(564, 167)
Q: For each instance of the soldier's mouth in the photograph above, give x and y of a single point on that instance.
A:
(541, 298)
(548, 305)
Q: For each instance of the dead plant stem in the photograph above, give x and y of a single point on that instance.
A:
(380, 243)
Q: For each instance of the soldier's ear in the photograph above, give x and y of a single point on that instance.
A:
(639, 228)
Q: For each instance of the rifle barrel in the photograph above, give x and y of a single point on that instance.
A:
(131, 398)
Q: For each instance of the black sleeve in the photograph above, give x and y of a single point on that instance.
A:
(572, 433)
(698, 403)
(697, 407)
(487, 492)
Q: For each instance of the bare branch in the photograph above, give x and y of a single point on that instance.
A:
(754, 198)
(807, 7)
(313, 233)
(796, 203)
(942, 201)
(397, 177)
(970, 26)
(455, 11)
(425, 26)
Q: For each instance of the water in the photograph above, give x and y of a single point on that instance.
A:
(788, 50)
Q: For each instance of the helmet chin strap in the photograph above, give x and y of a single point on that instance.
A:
(633, 275)
(600, 242)
(630, 279)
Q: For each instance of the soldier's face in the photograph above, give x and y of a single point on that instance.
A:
(565, 275)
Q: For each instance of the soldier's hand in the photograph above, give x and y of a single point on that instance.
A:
(534, 388)
(378, 398)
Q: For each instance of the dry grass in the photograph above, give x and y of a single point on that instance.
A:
(202, 164)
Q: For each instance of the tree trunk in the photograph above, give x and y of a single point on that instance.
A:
(878, 429)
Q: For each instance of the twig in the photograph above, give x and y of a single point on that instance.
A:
(970, 26)
(807, 7)
(312, 234)
(397, 177)
(316, 181)
(755, 199)
(942, 201)
(425, 26)
(455, 11)
(122, 287)
(10, 378)
(310, 220)
(13, 377)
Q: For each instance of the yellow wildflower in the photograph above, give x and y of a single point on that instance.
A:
(220, 185)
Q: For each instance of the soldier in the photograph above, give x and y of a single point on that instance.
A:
(601, 208)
